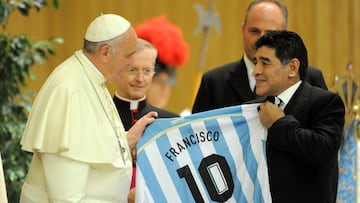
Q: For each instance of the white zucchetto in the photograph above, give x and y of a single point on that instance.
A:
(106, 27)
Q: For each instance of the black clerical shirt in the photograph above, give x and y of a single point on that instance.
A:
(129, 117)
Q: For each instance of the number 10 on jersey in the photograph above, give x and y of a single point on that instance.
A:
(215, 174)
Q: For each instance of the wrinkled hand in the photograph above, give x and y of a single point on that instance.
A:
(269, 113)
(131, 196)
(136, 131)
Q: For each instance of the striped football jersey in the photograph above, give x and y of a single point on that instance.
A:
(212, 156)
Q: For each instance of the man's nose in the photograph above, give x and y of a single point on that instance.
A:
(257, 70)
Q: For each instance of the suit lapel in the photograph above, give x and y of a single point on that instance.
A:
(240, 82)
(299, 100)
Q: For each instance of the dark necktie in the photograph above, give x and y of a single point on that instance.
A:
(274, 100)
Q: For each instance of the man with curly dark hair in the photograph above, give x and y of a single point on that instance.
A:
(304, 133)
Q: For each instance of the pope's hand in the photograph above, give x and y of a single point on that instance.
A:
(136, 131)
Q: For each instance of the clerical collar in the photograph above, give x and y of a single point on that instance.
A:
(133, 103)
(250, 69)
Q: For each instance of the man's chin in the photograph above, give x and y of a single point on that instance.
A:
(137, 96)
(260, 92)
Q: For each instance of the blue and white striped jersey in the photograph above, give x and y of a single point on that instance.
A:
(212, 156)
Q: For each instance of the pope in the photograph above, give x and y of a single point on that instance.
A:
(81, 152)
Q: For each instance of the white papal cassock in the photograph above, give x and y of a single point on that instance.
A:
(70, 118)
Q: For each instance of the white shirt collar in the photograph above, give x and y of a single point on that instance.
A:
(286, 95)
(250, 69)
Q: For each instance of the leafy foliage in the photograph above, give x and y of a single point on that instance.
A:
(17, 55)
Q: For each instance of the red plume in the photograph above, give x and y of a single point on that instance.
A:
(166, 38)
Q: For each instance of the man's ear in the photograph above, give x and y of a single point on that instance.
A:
(294, 65)
(103, 52)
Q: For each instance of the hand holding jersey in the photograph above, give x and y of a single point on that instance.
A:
(270, 111)
(135, 132)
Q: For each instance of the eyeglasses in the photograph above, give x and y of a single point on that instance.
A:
(135, 71)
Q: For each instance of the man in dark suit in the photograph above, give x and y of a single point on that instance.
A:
(304, 133)
(233, 84)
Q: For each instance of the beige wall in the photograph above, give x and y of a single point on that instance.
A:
(328, 27)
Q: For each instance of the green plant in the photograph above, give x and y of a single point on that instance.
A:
(17, 55)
